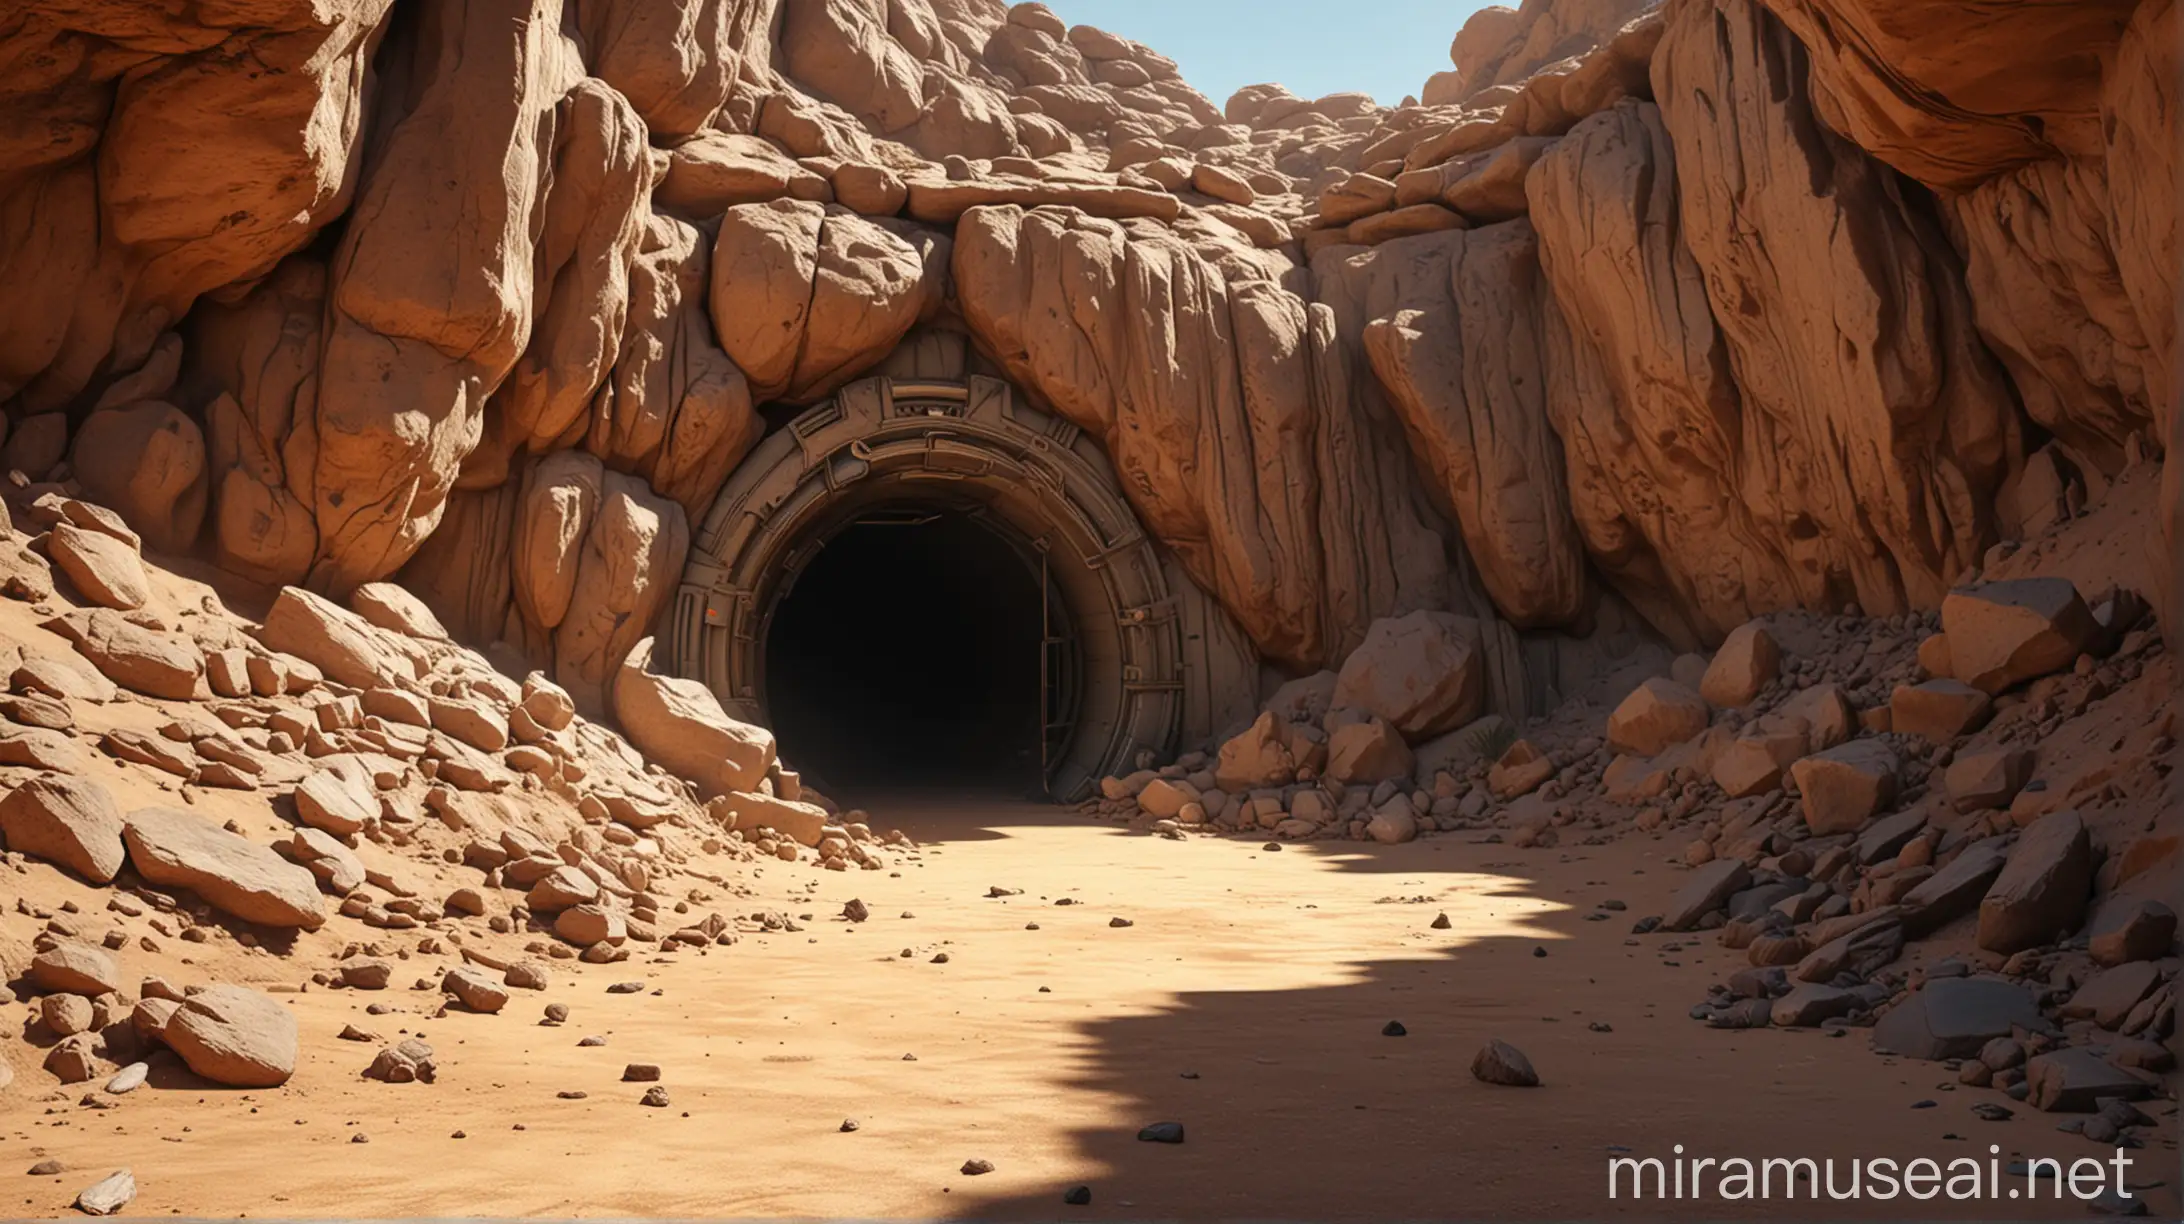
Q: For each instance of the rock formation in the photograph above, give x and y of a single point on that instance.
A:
(1645, 322)
(1733, 423)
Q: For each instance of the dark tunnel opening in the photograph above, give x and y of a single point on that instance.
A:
(907, 657)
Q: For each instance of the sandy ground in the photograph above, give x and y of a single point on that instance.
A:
(1246, 1001)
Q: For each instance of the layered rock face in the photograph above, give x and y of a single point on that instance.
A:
(1659, 316)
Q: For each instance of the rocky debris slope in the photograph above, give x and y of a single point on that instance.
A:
(1958, 829)
(225, 807)
(1642, 321)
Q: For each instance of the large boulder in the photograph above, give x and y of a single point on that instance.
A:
(1424, 673)
(1842, 788)
(1938, 710)
(338, 642)
(1956, 889)
(1753, 763)
(154, 664)
(1986, 779)
(804, 822)
(233, 874)
(1748, 660)
(1826, 712)
(2042, 891)
(680, 725)
(234, 1036)
(68, 820)
(339, 798)
(147, 462)
(1954, 1017)
(1369, 752)
(2076, 1079)
(1657, 716)
(1708, 889)
(1255, 757)
(75, 968)
(107, 571)
(393, 608)
(805, 298)
(2005, 633)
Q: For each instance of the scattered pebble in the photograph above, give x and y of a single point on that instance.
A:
(655, 1096)
(1394, 1028)
(972, 1168)
(1161, 1132)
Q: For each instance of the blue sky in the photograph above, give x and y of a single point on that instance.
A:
(1385, 47)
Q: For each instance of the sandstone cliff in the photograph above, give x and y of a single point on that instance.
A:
(1700, 311)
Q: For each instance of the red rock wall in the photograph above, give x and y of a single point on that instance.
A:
(1704, 310)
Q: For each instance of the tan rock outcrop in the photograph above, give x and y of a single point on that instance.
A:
(1424, 673)
(1236, 438)
(146, 461)
(674, 410)
(232, 141)
(680, 724)
(1641, 390)
(1951, 94)
(1461, 359)
(433, 292)
(804, 299)
(676, 63)
(1790, 222)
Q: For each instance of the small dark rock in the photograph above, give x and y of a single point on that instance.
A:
(1077, 1196)
(655, 1096)
(1498, 1062)
(1161, 1132)
(1394, 1028)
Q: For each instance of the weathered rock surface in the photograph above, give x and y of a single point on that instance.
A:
(2004, 633)
(232, 873)
(1842, 788)
(67, 820)
(2042, 891)
(1657, 715)
(234, 1036)
(1422, 673)
(1955, 1017)
(680, 724)
(1745, 662)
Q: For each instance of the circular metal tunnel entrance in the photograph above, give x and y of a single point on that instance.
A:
(978, 526)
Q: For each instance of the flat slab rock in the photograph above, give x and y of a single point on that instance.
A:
(107, 1195)
(1708, 889)
(1955, 1017)
(234, 874)
(2075, 1080)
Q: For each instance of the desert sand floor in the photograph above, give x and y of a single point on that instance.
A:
(1246, 1001)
